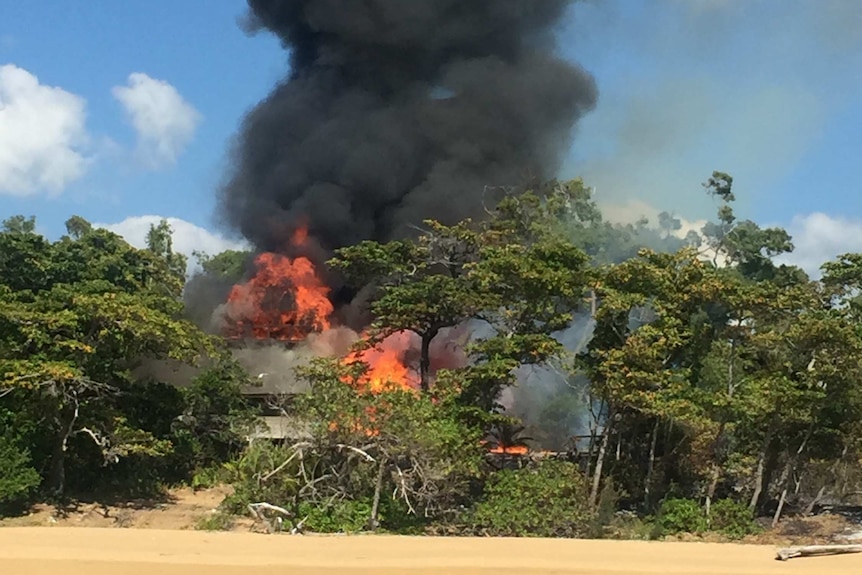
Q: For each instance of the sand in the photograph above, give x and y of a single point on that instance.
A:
(93, 551)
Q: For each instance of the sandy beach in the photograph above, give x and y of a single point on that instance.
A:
(80, 551)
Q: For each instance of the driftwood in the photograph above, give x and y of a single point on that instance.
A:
(257, 509)
(815, 550)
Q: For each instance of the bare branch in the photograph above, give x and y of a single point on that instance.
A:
(297, 451)
(364, 454)
(404, 490)
(102, 442)
(257, 509)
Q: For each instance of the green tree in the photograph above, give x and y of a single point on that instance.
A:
(19, 225)
(420, 286)
(228, 264)
(744, 244)
(160, 242)
(71, 335)
(77, 227)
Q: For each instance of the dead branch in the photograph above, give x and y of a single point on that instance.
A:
(816, 550)
(257, 509)
(311, 484)
(299, 526)
(297, 450)
(404, 491)
(102, 442)
(364, 454)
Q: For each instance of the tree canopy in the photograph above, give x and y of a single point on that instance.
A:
(714, 383)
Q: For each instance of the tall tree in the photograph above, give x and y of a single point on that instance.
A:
(19, 225)
(160, 242)
(71, 335)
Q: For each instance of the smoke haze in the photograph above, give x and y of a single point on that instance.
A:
(761, 89)
(394, 112)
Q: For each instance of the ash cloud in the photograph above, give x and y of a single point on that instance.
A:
(394, 112)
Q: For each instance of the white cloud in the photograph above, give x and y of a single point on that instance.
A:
(42, 135)
(187, 236)
(819, 238)
(164, 121)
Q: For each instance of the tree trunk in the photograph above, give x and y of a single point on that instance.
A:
(715, 470)
(373, 523)
(715, 475)
(600, 462)
(651, 463)
(57, 473)
(785, 474)
(594, 432)
(809, 509)
(425, 360)
(761, 467)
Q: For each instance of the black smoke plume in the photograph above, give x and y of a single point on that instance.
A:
(396, 111)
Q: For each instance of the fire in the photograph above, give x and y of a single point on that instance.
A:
(356, 427)
(386, 365)
(284, 300)
(510, 450)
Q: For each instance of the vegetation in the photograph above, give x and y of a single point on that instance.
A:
(722, 386)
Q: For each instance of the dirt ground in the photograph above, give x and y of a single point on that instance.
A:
(93, 551)
(185, 509)
(84, 539)
(181, 509)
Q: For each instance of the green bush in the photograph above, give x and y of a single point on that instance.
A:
(680, 516)
(732, 519)
(344, 516)
(18, 478)
(208, 477)
(546, 500)
(609, 499)
(218, 521)
(248, 475)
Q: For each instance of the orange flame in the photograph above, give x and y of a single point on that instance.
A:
(284, 300)
(356, 427)
(510, 450)
(386, 364)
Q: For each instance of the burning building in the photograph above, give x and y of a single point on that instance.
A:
(391, 113)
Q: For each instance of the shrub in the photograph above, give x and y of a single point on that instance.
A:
(732, 519)
(546, 500)
(344, 516)
(609, 499)
(18, 478)
(680, 516)
(218, 521)
(249, 477)
(209, 477)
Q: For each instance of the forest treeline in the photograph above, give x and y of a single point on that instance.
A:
(723, 386)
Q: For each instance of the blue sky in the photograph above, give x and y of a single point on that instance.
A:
(88, 47)
(768, 90)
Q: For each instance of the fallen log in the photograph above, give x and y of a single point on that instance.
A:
(816, 550)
